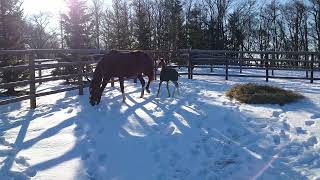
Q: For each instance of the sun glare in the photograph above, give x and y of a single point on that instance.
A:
(36, 6)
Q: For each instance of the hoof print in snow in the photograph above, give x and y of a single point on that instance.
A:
(85, 156)
(315, 116)
(276, 114)
(311, 141)
(299, 130)
(286, 126)
(102, 158)
(262, 126)
(101, 130)
(22, 161)
(309, 123)
(30, 172)
(276, 139)
(70, 111)
(181, 173)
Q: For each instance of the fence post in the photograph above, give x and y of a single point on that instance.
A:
(273, 60)
(39, 72)
(306, 58)
(267, 66)
(33, 103)
(155, 64)
(241, 61)
(80, 75)
(189, 67)
(112, 82)
(311, 68)
(227, 66)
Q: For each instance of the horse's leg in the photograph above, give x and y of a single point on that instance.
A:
(168, 88)
(150, 77)
(159, 88)
(140, 77)
(103, 86)
(121, 80)
(176, 85)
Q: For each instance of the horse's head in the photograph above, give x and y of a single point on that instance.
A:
(95, 89)
(95, 93)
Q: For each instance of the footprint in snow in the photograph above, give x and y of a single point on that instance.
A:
(299, 130)
(31, 172)
(286, 126)
(181, 173)
(311, 141)
(315, 116)
(309, 123)
(276, 114)
(276, 139)
(102, 157)
(70, 111)
(22, 161)
(85, 156)
(284, 135)
(101, 130)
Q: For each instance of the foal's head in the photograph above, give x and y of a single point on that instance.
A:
(162, 63)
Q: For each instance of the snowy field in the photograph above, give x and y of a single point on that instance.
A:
(198, 135)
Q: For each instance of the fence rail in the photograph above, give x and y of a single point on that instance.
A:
(39, 60)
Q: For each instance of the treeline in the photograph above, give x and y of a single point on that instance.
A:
(206, 24)
(167, 25)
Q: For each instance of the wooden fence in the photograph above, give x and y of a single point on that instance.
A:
(39, 60)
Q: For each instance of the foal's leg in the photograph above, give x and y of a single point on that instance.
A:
(168, 88)
(142, 84)
(159, 88)
(122, 89)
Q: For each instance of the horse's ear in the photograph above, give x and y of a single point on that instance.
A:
(89, 80)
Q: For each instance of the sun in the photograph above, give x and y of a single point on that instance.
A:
(37, 6)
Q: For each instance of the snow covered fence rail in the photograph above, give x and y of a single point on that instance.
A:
(256, 60)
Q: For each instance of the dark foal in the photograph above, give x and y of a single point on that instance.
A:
(168, 74)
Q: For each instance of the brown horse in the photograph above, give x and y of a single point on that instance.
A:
(120, 65)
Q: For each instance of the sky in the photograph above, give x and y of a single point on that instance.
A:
(52, 7)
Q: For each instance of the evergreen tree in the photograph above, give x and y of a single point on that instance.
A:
(195, 29)
(78, 30)
(11, 37)
(117, 32)
(142, 28)
(77, 24)
(236, 35)
(176, 24)
(97, 11)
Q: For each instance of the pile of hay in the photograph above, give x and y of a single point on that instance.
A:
(262, 94)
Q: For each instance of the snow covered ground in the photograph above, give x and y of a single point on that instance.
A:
(198, 135)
